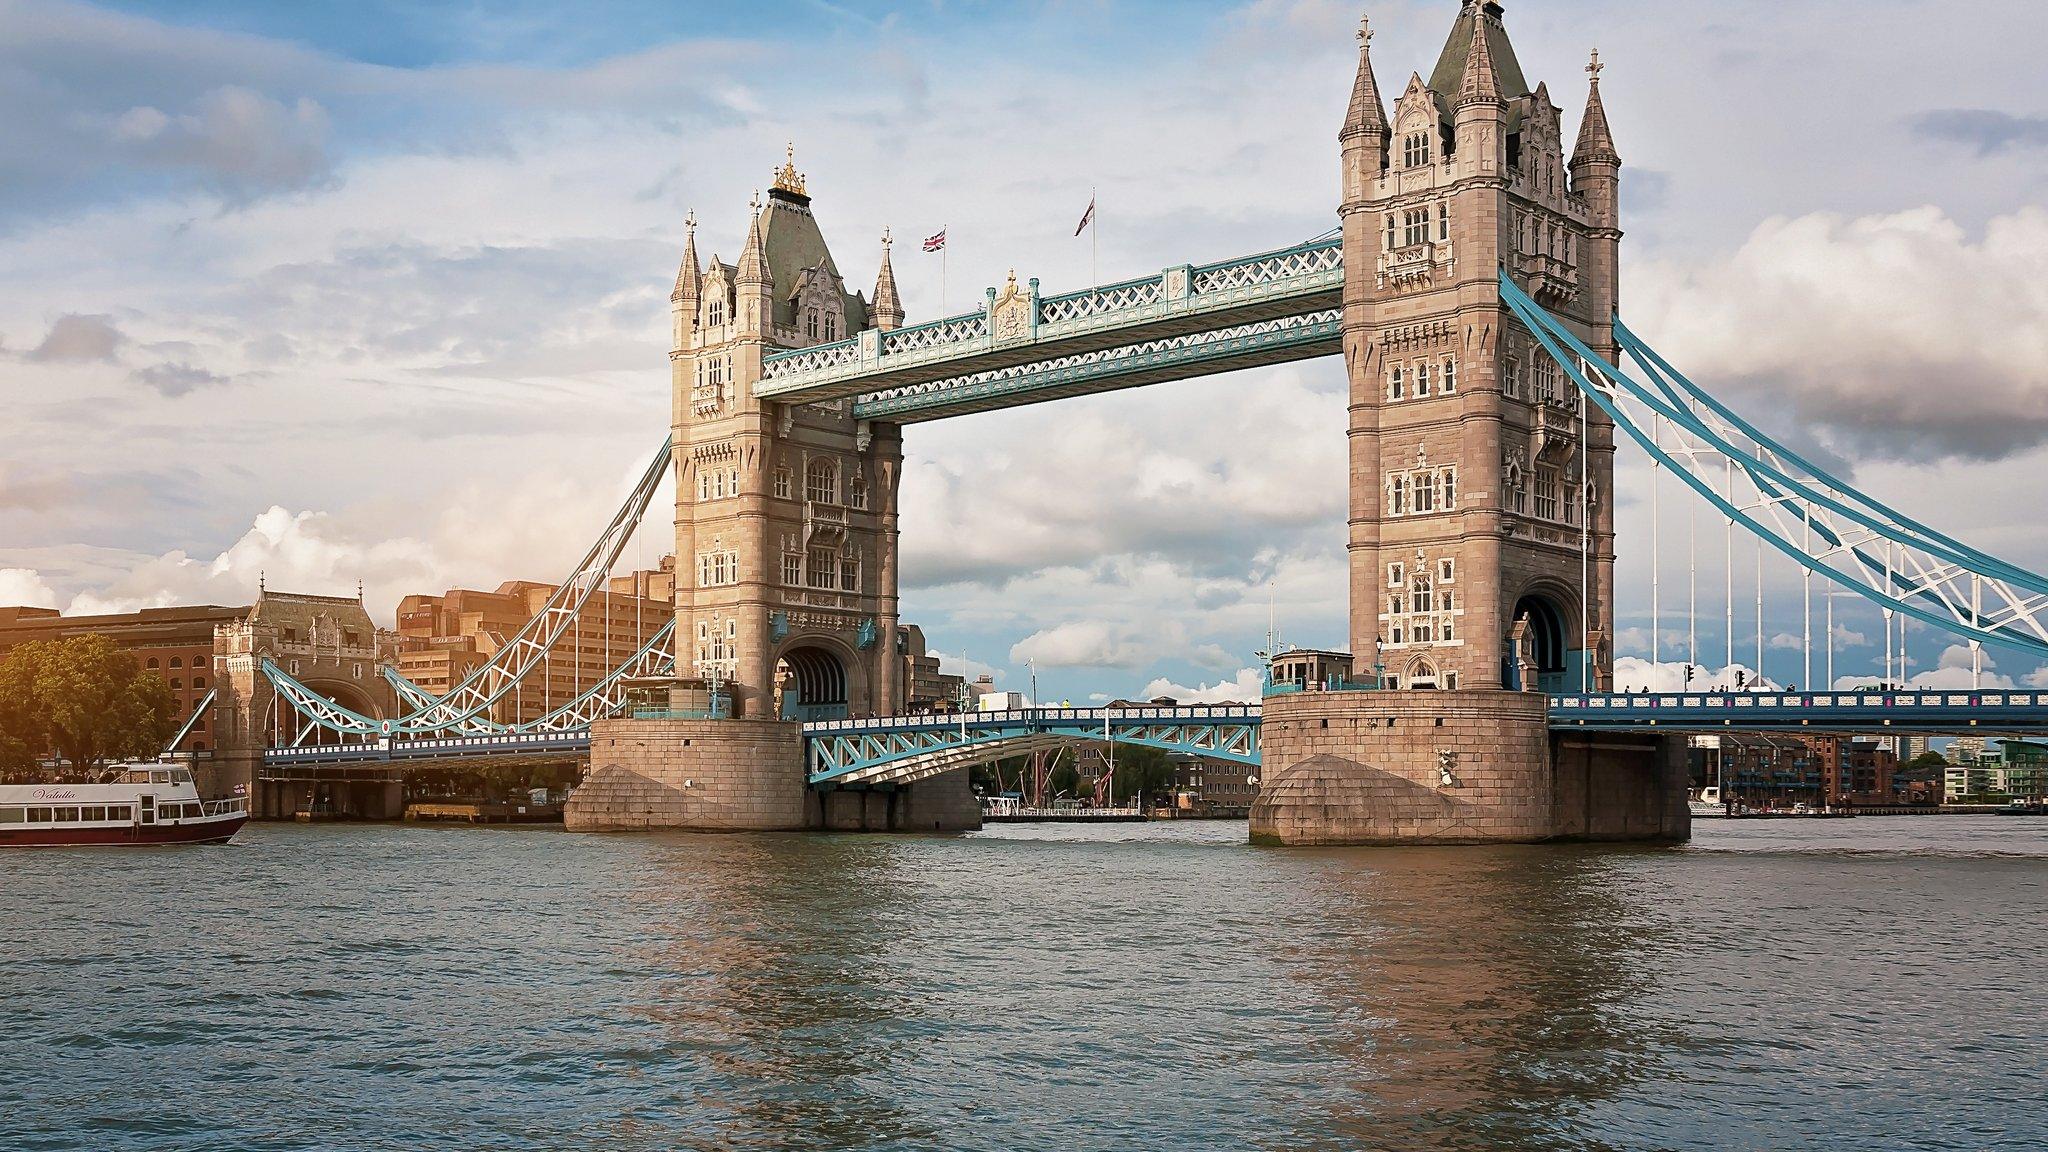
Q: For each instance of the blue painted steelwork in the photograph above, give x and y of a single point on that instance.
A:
(1263, 342)
(1932, 713)
(465, 707)
(1802, 512)
(1022, 328)
(904, 749)
(200, 709)
(424, 748)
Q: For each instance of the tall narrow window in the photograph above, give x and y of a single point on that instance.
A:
(1425, 492)
(1422, 379)
(1397, 575)
(792, 569)
(782, 483)
(1443, 220)
(822, 567)
(1392, 228)
(821, 482)
(1415, 227)
(1397, 495)
(1415, 150)
(1396, 384)
(849, 574)
(1447, 380)
(1450, 488)
(857, 490)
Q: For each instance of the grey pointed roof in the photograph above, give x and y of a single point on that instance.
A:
(1447, 79)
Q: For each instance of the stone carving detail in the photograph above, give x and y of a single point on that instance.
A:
(1010, 318)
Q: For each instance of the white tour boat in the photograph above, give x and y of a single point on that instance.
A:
(1708, 802)
(142, 804)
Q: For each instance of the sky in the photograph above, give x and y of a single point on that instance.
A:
(376, 291)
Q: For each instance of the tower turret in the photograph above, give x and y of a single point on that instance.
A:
(887, 310)
(684, 300)
(1481, 116)
(1365, 135)
(754, 285)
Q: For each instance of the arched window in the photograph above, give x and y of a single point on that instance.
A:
(177, 661)
(177, 683)
(152, 665)
(1415, 150)
(821, 482)
(714, 312)
(199, 683)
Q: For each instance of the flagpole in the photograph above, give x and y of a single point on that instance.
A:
(946, 242)
(1094, 237)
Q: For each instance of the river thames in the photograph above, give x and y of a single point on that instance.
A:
(1872, 983)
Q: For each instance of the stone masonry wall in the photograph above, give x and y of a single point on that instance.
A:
(703, 775)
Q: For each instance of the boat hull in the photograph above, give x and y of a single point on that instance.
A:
(75, 836)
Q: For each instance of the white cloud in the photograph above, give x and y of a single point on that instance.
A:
(25, 588)
(2038, 678)
(1244, 688)
(1084, 644)
(1895, 331)
(1632, 674)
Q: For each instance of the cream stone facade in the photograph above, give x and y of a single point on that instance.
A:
(785, 522)
(1480, 486)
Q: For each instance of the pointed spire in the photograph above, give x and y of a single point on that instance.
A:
(1367, 116)
(888, 307)
(689, 276)
(1482, 83)
(753, 266)
(1596, 139)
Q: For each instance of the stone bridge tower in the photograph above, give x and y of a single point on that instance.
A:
(1482, 526)
(785, 513)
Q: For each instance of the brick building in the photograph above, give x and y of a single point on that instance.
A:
(175, 643)
(444, 638)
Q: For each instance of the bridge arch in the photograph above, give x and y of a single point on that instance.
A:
(821, 679)
(348, 694)
(1549, 612)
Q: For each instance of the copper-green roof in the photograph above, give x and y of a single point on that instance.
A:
(1449, 73)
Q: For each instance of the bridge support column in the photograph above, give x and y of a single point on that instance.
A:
(698, 775)
(1468, 767)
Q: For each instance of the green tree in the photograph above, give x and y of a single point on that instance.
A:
(84, 698)
(1140, 769)
(1928, 759)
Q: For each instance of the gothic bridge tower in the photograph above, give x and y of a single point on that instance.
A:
(785, 513)
(1482, 525)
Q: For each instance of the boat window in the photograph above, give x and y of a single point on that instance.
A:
(159, 777)
(13, 815)
(138, 776)
(68, 815)
(120, 812)
(181, 777)
(93, 812)
(39, 815)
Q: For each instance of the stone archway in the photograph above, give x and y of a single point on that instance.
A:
(815, 683)
(1547, 639)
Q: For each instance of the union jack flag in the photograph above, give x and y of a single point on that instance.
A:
(936, 242)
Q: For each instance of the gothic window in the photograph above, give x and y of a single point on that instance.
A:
(703, 485)
(1415, 150)
(1396, 385)
(1443, 220)
(1397, 495)
(1426, 492)
(821, 482)
(714, 312)
(849, 574)
(1450, 488)
(792, 569)
(718, 485)
(1546, 494)
(1415, 227)
(1394, 605)
(1397, 575)
(811, 325)
(1447, 380)
(1518, 492)
(857, 490)
(782, 483)
(1447, 571)
(1546, 379)
(1393, 227)
(822, 567)
(831, 327)
(1422, 379)
(1511, 378)
(1423, 594)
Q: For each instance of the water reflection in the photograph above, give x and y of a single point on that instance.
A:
(775, 950)
(1488, 995)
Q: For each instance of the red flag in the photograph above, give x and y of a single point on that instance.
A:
(936, 242)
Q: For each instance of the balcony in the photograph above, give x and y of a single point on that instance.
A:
(1415, 265)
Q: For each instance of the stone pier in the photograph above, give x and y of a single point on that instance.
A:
(741, 776)
(1470, 767)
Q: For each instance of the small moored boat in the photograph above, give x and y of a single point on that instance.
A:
(140, 804)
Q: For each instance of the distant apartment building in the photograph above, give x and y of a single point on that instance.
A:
(2017, 770)
(924, 686)
(445, 638)
(175, 643)
(1769, 768)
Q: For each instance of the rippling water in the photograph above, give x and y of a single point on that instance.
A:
(1874, 983)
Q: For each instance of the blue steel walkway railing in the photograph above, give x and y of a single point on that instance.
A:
(1187, 320)
(904, 749)
(1934, 713)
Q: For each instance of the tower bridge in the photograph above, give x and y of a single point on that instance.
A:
(1473, 292)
